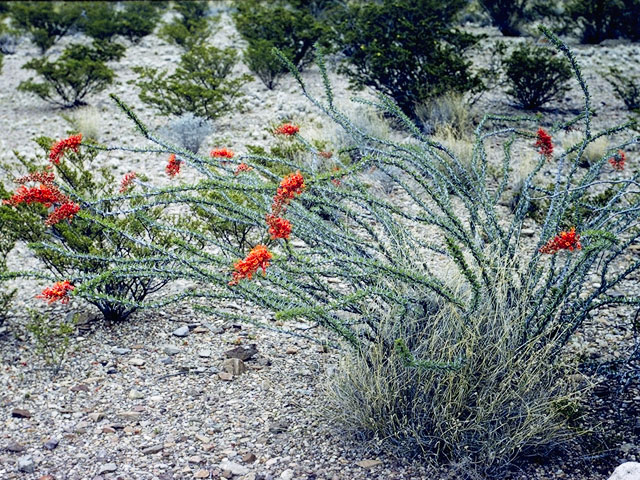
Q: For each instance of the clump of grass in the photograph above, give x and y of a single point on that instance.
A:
(592, 153)
(456, 388)
(86, 120)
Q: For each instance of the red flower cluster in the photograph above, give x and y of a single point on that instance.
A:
(47, 194)
(258, 258)
(278, 227)
(287, 129)
(127, 180)
(222, 153)
(290, 186)
(58, 291)
(59, 148)
(243, 167)
(326, 155)
(173, 167)
(617, 161)
(563, 241)
(66, 211)
(544, 144)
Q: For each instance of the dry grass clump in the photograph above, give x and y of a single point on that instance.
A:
(88, 121)
(470, 392)
(595, 150)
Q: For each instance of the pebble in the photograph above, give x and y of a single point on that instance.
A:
(15, 447)
(135, 394)
(227, 377)
(181, 332)
(202, 474)
(136, 362)
(287, 474)
(51, 444)
(108, 468)
(368, 463)
(234, 366)
(204, 353)
(151, 449)
(249, 458)
(121, 351)
(25, 464)
(233, 467)
(171, 350)
(20, 413)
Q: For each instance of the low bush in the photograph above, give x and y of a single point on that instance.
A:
(191, 27)
(599, 20)
(626, 87)
(52, 338)
(202, 84)
(104, 20)
(6, 294)
(406, 49)
(535, 76)
(46, 22)
(188, 131)
(80, 71)
(293, 29)
(50, 212)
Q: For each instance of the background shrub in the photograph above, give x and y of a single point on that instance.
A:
(598, 20)
(134, 20)
(201, 84)
(289, 26)
(188, 131)
(46, 22)
(78, 72)
(6, 294)
(52, 338)
(191, 27)
(626, 87)
(535, 76)
(407, 49)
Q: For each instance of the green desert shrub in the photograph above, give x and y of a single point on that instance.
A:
(293, 29)
(535, 75)
(625, 86)
(52, 338)
(80, 71)
(134, 20)
(507, 15)
(599, 20)
(191, 27)
(203, 83)
(406, 49)
(75, 247)
(45, 22)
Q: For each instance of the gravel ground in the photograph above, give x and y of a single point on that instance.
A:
(137, 401)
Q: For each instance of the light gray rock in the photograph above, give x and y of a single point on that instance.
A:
(121, 351)
(235, 366)
(171, 350)
(204, 353)
(181, 332)
(108, 468)
(627, 471)
(25, 464)
(233, 467)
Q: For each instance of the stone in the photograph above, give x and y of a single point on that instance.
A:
(25, 464)
(292, 350)
(151, 449)
(108, 468)
(112, 371)
(130, 415)
(249, 458)
(227, 377)
(226, 474)
(79, 388)
(166, 361)
(368, 463)
(96, 416)
(136, 362)
(20, 413)
(15, 447)
(170, 350)
(195, 459)
(181, 332)
(135, 394)
(242, 352)
(204, 353)
(233, 467)
(234, 366)
(202, 474)
(121, 351)
(626, 471)
(108, 430)
(51, 444)
(287, 474)
(200, 330)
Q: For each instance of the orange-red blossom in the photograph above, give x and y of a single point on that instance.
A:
(569, 240)
(58, 291)
(258, 258)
